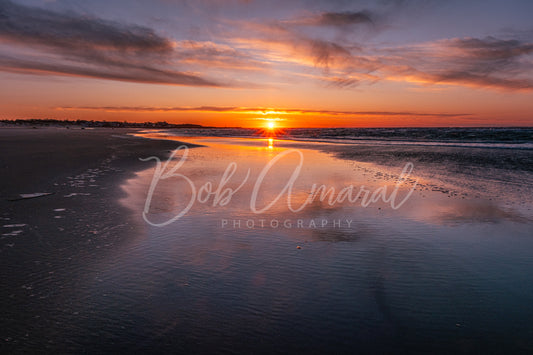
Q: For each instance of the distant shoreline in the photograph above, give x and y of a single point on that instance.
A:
(98, 124)
(49, 122)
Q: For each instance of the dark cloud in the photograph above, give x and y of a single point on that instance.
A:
(336, 59)
(139, 74)
(74, 44)
(472, 79)
(158, 109)
(22, 24)
(326, 53)
(481, 62)
(344, 18)
(342, 82)
(259, 110)
(215, 55)
(505, 64)
(487, 62)
(41, 41)
(490, 54)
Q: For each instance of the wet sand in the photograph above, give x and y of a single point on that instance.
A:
(50, 244)
(447, 272)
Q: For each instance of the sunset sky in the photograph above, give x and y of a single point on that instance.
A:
(302, 63)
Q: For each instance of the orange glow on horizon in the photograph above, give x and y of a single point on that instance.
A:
(270, 119)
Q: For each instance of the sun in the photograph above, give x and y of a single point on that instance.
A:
(270, 127)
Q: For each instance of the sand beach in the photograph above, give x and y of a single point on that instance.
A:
(238, 248)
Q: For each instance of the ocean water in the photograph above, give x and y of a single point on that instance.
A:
(448, 272)
(517, 138)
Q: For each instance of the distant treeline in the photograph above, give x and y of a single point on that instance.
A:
(85, 123)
